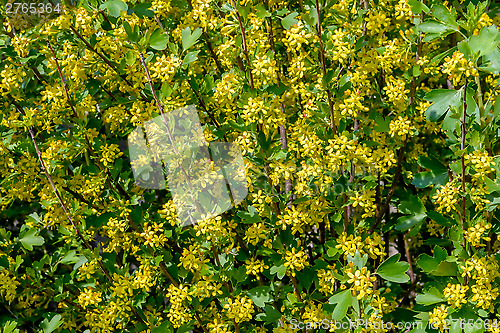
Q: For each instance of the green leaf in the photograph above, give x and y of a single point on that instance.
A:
(142, 10)
(440, 219)
(444, 15)
(394, 271)
(165, 91)
(485, 42)
(381, 123)
(130, 58)
(114, 7)
(432, 163)
(271, 315)
(415, 210)
(132, 35)
(188, 38)
(432, 296)
(492, 60)
(289, 20)
(357, 260)
(9, 327)
(261, 12)
(50, 326)
(158, 40)
(278, 154)
(279, 270)
(30, 239)
(260, 296)
(442, 100)
(190, 57)
(250, 217)
(306, 277)
(70, 258)
(428, 263)
(343, 301)
(417, 7)
(165, 327)
(433, 27)
(424, 179)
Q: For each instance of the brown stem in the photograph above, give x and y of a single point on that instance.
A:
(244, 42)
(203, 105)
(379, 212)
(90, 47)
(408, 259)
(169, 132)
(62, 79)
(212, 53)
(462, 147)
(319, 33)
(282, 129)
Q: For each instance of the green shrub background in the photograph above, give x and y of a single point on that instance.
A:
(369, 132)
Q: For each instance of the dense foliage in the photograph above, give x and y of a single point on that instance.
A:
(369, 132)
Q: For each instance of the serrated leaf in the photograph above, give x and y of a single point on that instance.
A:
(271, 315)
(165, 327)
(492, 61)
(358, 260)
(279, 271)
(428, 263)
(261, 12)
(249, 217)
(446, 16)
(392, 270)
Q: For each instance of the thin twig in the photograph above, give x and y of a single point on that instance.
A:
(319, 32)
(381, 211)
(462, 147)
(244, 42)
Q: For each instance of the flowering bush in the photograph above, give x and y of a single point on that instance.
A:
(369, 132)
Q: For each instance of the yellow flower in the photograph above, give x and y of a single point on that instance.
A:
(483, 295)
(475, 233)
(458, 65)
(8, 285)
(400, 126)
(109, 153)
(361, 281)
(89, 297)
(296, 261)
(240, 309)
(192, 258)
(455, 294)
(438, 318)
(255, 233)
(447, 196)
(255, 267)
